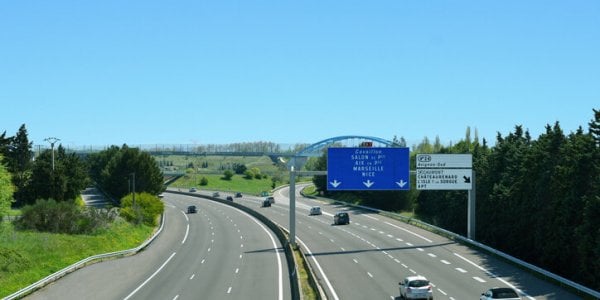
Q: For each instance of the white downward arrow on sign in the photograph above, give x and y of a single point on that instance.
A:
(335, 183)
(369, 183)
(402, 183)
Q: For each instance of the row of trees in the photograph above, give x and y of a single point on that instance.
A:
(538, 200)
(261, 146)
(60, 176)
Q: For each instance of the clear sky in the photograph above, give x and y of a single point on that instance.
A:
(217, 72)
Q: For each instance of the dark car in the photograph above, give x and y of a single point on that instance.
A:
(229, 198)
(341, 218)
(500, 293)
(238, 195)
(266, 203)
(192, 209)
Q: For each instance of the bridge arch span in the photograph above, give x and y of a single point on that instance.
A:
(315, 150)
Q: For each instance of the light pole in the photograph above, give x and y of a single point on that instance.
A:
(133, 189)
(52, 141)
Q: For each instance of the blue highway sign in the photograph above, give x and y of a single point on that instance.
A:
(368, 169)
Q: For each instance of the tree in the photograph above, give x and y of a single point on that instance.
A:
(399, 142)
(320, 181)
(117, 166)
(4, 144)
(62, 183)
(594, 127)
(239, 168)
(6, 189)
(19, 162)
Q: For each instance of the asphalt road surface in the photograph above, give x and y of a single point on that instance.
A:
(369, 257)
(217, 253)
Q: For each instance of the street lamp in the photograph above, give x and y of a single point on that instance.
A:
(52, 141)
(133, 188)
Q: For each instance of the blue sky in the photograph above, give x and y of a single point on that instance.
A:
(214, 72)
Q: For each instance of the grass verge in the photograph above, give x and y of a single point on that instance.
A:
(306, 288)
(27, 256)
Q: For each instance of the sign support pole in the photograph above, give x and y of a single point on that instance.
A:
(471, 208)
(292, 237)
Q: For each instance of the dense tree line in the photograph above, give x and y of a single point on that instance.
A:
(538, 200)
(35, 179)
(119, 169)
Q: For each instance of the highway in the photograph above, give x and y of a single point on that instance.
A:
(223, 253)
(218, 253)
(367, 259)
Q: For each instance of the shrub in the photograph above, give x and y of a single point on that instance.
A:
(147, 209)
(62, 217)
(203, 181)
(227, 175)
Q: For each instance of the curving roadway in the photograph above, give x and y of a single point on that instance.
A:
(367, 259)
(218, 253)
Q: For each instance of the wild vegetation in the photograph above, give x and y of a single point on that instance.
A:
(52, 228)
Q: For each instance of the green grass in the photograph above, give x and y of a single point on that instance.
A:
(307, 291)
(215, 182)
(216, 164)
(26, 256)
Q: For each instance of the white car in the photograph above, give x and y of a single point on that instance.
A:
(416, 287)
(315, 210)
(500, 293)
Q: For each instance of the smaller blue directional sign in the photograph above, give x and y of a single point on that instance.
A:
(368, 169)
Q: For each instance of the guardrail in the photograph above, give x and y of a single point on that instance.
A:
(82, 263)
(564, 281)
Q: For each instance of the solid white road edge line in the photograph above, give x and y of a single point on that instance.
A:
(277, 254)
(150, 278)
(333, 293)
(187, 230)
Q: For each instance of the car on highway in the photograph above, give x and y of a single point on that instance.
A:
(193, 190)
(341, 218)
(216, 194)
(500, 293)
(161, 195)
(315, 210)
(192, 209)
(238, 195)
(271, 199)
(415, 287)
(229, 198)
(266, 203)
